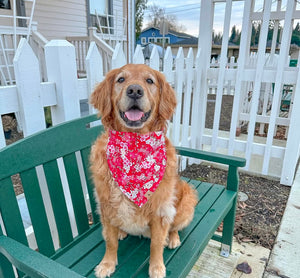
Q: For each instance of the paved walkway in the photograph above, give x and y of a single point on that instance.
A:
(284, 261)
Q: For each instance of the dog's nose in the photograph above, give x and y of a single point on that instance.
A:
(135, 91)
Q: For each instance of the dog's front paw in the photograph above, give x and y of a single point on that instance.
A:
(157, 271)
(105, 269)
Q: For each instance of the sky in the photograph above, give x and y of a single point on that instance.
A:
(187, 13)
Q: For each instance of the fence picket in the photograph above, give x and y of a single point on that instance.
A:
(138, 57)
(258, 78)
(179, 65)
(118, 59)
(154, 59)
(221, 76)
(186, 109)
(94, 70)
(168, 64)
(196, 112)
(27, 73)
(243, 53)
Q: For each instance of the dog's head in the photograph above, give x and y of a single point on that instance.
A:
(134, 98)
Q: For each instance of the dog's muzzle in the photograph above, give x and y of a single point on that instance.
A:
(134, 116)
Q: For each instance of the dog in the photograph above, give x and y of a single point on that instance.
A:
(135, 102)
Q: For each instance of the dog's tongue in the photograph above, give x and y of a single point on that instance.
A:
(134, 115)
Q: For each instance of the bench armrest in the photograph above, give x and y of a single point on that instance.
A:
(31, 262)
(214, 157)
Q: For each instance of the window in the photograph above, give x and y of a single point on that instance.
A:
(4, 4)
(143, 40)
(151, 39)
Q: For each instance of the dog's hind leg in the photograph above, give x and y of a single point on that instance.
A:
(185, 206)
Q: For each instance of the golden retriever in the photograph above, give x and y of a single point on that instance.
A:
(138, 99)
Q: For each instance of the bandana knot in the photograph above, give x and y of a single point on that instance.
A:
(137, 162)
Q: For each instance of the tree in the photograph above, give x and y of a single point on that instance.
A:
(140, 6)
(235, 36)
(296, 35)
(158, 15)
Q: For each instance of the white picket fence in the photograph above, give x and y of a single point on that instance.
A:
(64, 91)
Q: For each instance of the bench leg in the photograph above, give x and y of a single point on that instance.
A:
(228, 230)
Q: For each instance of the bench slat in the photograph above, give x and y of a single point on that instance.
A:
(37, 212)
(81, 246)
(187, 256)
(58, 202)
(85, 154)
(10, 210)
(211, 194)
(76, 191)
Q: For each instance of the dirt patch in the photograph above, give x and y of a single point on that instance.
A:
(258, 218)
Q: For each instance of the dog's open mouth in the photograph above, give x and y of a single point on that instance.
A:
(134, 117)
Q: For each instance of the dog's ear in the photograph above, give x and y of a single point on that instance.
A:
(168, 102)
(101, 97)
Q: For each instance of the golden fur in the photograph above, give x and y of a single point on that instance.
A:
(171, 207)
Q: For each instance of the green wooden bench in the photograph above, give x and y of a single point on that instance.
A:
(77, 257)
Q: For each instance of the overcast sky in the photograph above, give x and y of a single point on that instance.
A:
(188, 13)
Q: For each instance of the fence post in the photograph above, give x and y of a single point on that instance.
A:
(27, 73)
(118, 58)
(94, 70)
(292, 150)
(62, 70)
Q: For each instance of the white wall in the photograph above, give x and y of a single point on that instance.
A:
(59, 19)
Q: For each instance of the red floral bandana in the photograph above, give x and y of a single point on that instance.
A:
(137, 163)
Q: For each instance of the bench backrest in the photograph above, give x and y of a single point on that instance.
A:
(43, 161)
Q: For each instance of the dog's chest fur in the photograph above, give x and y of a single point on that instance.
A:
(134, 220)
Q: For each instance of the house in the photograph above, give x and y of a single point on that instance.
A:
(153, 35)
(42, 20)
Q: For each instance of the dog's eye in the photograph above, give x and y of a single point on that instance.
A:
(121, 79)
(150, 81)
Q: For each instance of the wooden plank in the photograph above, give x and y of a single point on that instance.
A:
(60, 140)
(58, 202)
(37, 212)
(76, 191)
(90, 186)
(10, 212)
(80, 247)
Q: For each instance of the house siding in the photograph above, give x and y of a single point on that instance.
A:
(60, 19)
